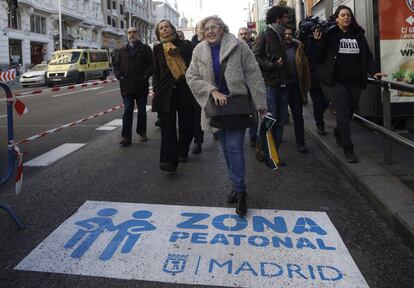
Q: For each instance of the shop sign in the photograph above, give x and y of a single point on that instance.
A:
(396, 23)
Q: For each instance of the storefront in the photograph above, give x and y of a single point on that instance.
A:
(37, 52)
(15, 52)
(111, 41)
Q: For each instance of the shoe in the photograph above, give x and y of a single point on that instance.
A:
(169, 167)
(282, 163)
(197, 148)
(143, 137)
(125, 141)
(231, 198)
(301, 148)
(321, 130)
(349, 155)
(253, 142)
(241, 206)
(183, 158)
(338, 138)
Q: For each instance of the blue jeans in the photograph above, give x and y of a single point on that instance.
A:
(129, 103)
(277, 104)
(232, 141)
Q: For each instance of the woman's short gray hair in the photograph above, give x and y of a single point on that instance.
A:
(218, 20)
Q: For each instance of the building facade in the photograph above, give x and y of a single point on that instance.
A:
(29, 29)
(163, 9)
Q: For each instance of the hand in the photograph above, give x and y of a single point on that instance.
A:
(379, 75)
(317, 35)
(219, 98)
(279, 62)
(262, 111)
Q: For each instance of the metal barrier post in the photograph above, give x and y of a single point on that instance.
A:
(11, 153)
(386, 114)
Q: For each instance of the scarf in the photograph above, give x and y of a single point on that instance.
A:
(173, 58)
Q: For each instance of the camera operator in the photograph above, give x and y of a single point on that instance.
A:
(344, 63)
(319, 101)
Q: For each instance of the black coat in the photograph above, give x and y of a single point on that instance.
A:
(267, 49)
(163, 81)
(133, 68)
(328, 49)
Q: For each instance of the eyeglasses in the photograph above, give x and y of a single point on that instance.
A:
(211, 28)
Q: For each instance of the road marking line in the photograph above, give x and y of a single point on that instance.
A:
(108, 91)
(111, 125)
(107, 128)
(80, 91)
(2, 116)
(54, 155)
(115, 122)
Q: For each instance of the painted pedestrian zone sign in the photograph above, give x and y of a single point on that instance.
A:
(198, 245)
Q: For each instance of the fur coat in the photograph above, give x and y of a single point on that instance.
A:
(241, 69)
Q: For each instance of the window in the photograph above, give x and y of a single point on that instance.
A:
(98, 56)
(113, 5)
(37, 24)
(108, 20)
(113, 23)
(122, 24)
(121, 9)
(108, 4)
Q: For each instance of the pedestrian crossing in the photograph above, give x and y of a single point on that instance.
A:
(64, 150)
(54, 155)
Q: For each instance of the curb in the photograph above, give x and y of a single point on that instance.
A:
(390, 198)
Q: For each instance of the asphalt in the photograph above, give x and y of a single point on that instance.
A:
(388, 188)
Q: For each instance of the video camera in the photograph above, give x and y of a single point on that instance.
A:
(312, 23)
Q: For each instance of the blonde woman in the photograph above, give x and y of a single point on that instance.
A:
(204, 76)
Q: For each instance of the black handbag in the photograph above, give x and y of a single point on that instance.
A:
(240, 111)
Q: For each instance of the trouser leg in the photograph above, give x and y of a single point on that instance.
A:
(295, 104)
(345, 99)
(128, 102)
(320, 104)
(232, 142)
(142, 114)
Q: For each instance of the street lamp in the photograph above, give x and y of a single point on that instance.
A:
(60, 28)
(130, 21)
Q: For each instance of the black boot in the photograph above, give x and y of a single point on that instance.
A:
(349, 154)
(197, 148)
(338, 138)
(241, 206)
(231, 198)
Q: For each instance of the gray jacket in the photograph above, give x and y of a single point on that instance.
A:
(241, 69)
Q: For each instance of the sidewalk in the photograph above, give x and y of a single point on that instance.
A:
(390, 189)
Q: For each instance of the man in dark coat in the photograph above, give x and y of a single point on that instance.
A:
(270, 52)
(133, 66)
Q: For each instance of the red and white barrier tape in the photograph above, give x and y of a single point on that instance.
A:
(8, 75)
(19, 155)
(67, 125)
(62, 88)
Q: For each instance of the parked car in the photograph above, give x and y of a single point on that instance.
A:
(77, 66)
(35, 76)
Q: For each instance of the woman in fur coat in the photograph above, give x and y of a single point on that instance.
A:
(205, 80)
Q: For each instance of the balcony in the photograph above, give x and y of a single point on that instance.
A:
(48, 6)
